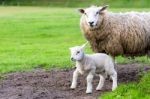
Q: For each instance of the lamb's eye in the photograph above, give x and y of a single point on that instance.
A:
(97, 13)
(78, 52)
(85, 14)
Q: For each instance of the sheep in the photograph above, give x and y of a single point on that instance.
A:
(126, 34)
(98, 63)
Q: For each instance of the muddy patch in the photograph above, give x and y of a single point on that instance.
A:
(55, 84)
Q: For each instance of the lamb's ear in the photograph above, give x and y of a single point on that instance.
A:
(70, 48)
(84, 45)
(104, 8)
(81, 11)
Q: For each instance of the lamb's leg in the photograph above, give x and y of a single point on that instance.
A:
(89, 83)
(101, 82)
(114, 79)
(74, 80)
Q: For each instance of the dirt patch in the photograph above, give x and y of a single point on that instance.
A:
(55, 84)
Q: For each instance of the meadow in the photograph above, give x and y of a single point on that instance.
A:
(78, 3)
(40, 37)
(33, 37)
(37, 37)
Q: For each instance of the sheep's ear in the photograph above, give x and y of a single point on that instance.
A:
(104, 8)
(81, 10)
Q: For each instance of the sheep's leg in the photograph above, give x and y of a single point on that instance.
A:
(114, 79)
(74, 80)
(101, 82)
(89, 83)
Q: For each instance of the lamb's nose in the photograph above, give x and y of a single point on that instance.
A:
(91, 23)
(72, 58)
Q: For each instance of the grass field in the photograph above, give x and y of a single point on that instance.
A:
(37, 37)
(33, 37)
(139, 90)
(78, 3)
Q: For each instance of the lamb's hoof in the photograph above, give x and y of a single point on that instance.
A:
(113, 89)
(98, 89)
(72, 87)
(88, 92)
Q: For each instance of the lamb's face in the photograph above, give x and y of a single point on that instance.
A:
(77, 53)
(93, 15)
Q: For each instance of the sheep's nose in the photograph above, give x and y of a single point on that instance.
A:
(91, 23)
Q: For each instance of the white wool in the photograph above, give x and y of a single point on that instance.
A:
(116, 33)
(92, 63)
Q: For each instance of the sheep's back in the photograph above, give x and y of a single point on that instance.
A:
(134, 33)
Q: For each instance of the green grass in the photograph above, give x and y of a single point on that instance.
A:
(139, 90)
(32, 37)
(35, 37)
(79, 3)
(130, 60)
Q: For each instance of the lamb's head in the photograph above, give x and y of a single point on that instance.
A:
(93, 15)
(77, 52)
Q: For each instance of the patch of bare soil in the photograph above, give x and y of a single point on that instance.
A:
(55, 84)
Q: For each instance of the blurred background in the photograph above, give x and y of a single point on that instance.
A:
(78, 3)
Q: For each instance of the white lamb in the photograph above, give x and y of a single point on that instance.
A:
(92, 64)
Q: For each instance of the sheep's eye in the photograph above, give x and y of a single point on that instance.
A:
(78, 52)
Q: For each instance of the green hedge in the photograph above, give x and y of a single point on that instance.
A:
(78, 3)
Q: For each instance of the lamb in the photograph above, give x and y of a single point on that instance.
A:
(98, 63)
(116, 33)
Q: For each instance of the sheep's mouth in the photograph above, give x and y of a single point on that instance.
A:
(93, 28)
(91, 25)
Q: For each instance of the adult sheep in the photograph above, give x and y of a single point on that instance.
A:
(116, 33)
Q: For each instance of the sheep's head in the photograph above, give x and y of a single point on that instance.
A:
(77, 52)
(93, 15)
